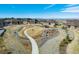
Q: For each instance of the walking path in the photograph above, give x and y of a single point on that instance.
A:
(50, 46)
(35, 49)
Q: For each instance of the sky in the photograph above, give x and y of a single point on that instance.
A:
(39, 10)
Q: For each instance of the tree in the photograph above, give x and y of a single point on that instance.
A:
(36, 21)
(49, 23)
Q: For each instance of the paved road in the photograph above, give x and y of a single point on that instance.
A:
(52, 45)
(35, 49)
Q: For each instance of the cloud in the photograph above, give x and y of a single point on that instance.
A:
(71, 9)
(71, 5)
(49, 6)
